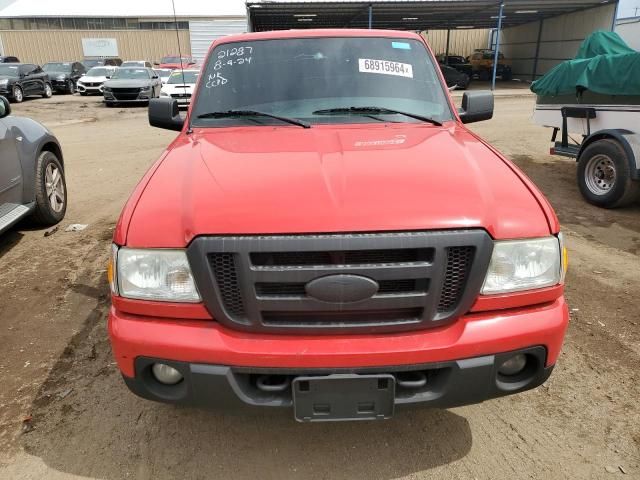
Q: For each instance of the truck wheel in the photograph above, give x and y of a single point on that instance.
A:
(17, 94)
(484, 75)
(51, 190)
(507, 75)
(71, 87)
(604, 177)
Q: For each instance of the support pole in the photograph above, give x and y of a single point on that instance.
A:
(495, 57)
(535, 59)
(615, 16)
(370, 16)
(446, 55)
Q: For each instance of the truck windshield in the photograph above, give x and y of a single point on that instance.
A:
(321, 80)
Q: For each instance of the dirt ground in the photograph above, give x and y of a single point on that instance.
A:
(56, 366)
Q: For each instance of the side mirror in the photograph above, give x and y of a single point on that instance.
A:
(476, 106)
(108, 77)
(5, 107)
(156, 63)
(164, 113)
(155, 76)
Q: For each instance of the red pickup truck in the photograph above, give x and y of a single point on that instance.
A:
(325, 234)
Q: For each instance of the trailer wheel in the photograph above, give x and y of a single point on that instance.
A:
(604, 177)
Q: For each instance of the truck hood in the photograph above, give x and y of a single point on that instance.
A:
(348, 178)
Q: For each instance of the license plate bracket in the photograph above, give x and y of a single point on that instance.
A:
(342, 397)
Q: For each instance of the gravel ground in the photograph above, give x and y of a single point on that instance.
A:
(81, 421)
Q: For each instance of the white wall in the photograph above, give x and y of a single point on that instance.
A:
(629, 30)
(560, 39)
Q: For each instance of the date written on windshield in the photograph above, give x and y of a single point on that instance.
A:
(233, 56)
(386, 67)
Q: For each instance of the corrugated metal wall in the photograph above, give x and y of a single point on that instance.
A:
(204, 32)
(41, 46)
(559, 39)
(629, 30)
(462, 42)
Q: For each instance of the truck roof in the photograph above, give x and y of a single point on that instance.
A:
(317, 32)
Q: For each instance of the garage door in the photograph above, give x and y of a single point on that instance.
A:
(203, 32)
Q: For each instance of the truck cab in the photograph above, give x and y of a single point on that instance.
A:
(326, 235)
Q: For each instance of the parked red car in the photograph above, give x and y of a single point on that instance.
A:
(326, 234)
(175, 61)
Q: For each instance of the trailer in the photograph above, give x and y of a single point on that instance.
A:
(593, 102)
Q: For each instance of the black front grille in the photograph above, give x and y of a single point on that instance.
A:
(224, 268)
(344, 319)
(458, 263)
(259, 283)
(180, 95)
(356, 257)
(125, 93)
(298, 289)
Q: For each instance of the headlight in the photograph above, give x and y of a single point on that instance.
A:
(524, 265)
(4, 81)
(61, 77)
(154, 274)
(106, 89)
(148, 87)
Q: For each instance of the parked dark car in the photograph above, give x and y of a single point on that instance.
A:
(455, 78)
(64, 75)
(20, 80)
(101, 62)
(31, 172)
(132, 85)
(9, 59)
(458, 62)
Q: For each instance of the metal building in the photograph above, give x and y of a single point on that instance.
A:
(38, 32)
(535, 34)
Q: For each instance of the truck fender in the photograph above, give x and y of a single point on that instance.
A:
(629, 141)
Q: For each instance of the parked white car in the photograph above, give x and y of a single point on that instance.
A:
(93, 80)
(181, 87)
(164, 74)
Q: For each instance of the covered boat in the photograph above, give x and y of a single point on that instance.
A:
(603, 77)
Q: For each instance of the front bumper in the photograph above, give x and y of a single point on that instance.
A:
(60, 84)
(464, 354)
(142, 97)
(447, 384)
(88, 89)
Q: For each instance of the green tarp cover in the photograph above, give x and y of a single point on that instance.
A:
(604, 64)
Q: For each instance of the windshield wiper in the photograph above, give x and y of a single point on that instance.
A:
(374, 110)
(253, 113)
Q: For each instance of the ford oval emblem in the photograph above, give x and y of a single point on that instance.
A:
(341, 288)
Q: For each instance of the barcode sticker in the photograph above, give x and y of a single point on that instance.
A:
(386, 67)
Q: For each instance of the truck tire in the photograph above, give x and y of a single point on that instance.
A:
(51, 190)
(484, 75)
(604, 177)
(507, 75)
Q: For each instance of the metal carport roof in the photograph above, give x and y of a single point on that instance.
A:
(406, 14)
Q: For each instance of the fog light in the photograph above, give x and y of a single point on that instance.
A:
(514, 365)
(166, 374)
